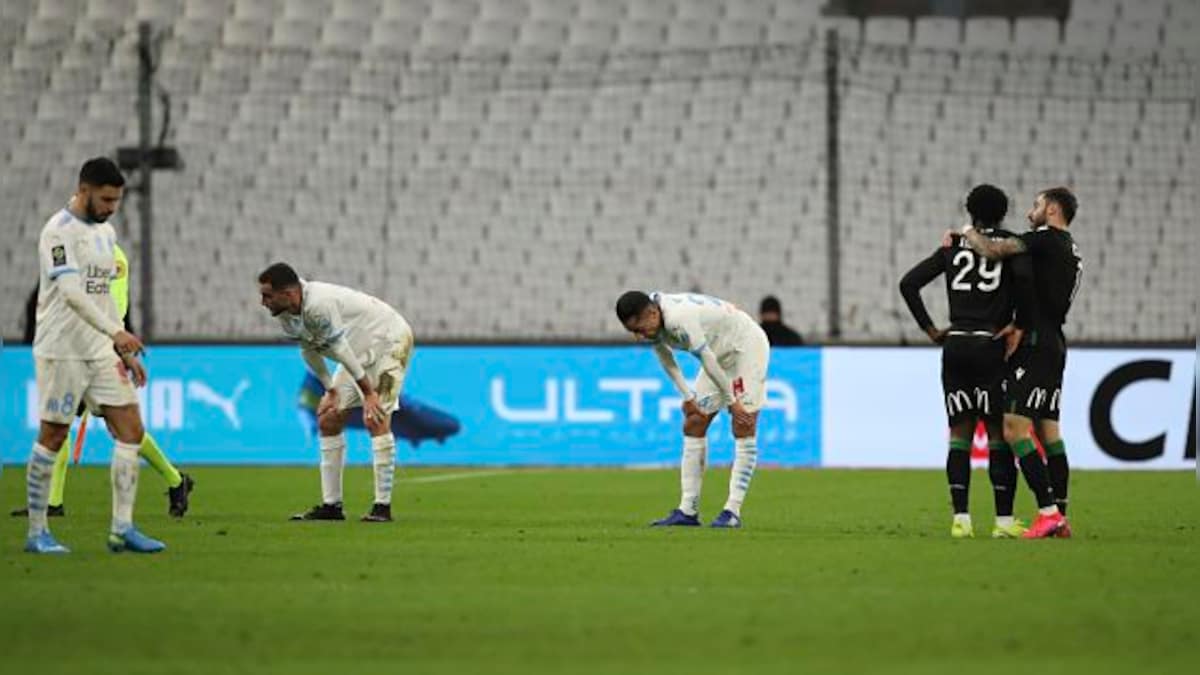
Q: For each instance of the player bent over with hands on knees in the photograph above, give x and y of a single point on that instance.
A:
(83, 353)
(372, 345)
(733, 352)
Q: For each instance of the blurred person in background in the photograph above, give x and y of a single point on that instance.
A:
(770, 317)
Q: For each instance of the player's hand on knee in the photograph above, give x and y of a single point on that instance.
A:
(328, 404)
(743, 419)
(373, 409)
(691, 409)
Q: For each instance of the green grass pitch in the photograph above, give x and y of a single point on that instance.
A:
(555, 572)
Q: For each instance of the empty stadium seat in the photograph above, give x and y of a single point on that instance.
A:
(1097, 11)
(937, 31)
(734, 32)
(1036, 34)
(987, 33)
(887, 30)
(1144, 11)
(1087, 37)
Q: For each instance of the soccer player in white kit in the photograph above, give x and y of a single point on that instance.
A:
(373, 345)
(83, 353)
(733, 352)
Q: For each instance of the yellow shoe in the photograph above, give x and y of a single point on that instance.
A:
(1013, 531)
(962, 530)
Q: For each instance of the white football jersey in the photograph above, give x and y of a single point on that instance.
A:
(329, 312)
(70, 245)
(692, 321)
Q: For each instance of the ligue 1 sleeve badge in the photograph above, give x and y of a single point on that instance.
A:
(58, 255)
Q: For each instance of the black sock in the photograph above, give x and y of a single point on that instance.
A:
(1035, 473)
(1002, 469)
(958, 474)
(1060, 473)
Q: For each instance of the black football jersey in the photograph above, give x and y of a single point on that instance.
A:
(983, 293)
(1057, 272)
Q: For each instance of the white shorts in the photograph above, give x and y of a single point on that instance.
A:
(386, 373)
(63, 383)
(747, 372)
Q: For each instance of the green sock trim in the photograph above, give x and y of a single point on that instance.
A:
(154, 455)
(1024, 447)
(960, 445)
(1056, 448)
(58, 476)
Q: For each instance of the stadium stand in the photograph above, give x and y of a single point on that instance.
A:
(501, 169)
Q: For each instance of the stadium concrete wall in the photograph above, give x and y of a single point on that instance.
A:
(611, 406)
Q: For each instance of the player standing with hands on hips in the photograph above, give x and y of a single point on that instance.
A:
(83, 353)
(372, 344)
(734, 351)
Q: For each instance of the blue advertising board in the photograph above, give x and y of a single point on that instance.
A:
(519, 405)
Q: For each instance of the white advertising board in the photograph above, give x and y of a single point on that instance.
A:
(1121, 408)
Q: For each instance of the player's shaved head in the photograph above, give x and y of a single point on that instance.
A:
(1065, 199)
(987, 205)
(279, 276)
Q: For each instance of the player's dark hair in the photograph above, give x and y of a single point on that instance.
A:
(770, 304)
(987, 204)
(280, 276)
(631, 304)
(1065, 199)
(101, 171)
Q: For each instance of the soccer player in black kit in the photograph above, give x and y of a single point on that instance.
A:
(1036, 369)
(983, 295)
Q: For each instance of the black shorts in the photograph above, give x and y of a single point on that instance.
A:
(1033, 387)
(972, 377)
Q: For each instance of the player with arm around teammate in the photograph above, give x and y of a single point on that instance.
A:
(1036, 369)
(733, 351)
(372, 345)
(982, 296)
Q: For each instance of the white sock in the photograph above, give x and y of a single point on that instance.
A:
(965, 518)
(37, 486)
(691, 473)
(1004, 521)
(745, 458)
(384, 449)
(124, 473)
(333, 460)
(1048, 510)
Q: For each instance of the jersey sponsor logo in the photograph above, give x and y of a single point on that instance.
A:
(1020, 373)
(58, 255)
(97, 279)
(960, 401)
(1037, 398)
